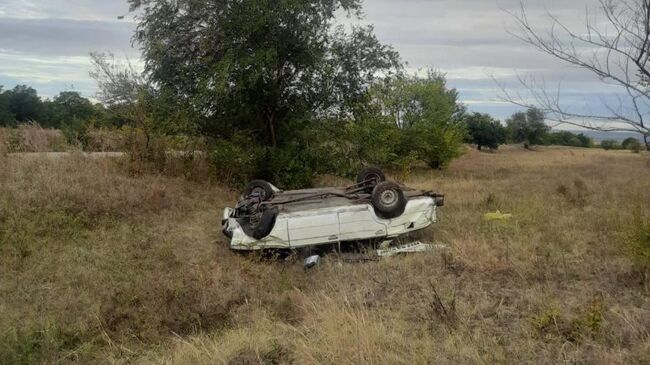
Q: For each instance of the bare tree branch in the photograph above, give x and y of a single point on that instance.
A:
(621, 58)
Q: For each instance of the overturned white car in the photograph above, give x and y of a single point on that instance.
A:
(373, 209)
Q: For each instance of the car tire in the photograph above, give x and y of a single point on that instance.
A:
(266, 224)
(369, 177)
(259, 186)
(388, 200)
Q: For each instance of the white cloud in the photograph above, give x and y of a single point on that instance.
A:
(94, 10)
(45, 43)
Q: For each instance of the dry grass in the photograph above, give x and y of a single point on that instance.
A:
(104, 140)
(31, 138)
(97, 266)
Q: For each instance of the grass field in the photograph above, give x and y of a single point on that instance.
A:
(98, 266)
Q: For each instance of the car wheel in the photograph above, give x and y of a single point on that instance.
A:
(259, 187)
(370, 177)
(388, 200)
(266, 224)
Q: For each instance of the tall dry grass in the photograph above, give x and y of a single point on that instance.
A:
(100, 266)
(31, 138)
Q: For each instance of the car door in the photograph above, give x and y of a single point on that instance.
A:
(312, 228)
(360, 222)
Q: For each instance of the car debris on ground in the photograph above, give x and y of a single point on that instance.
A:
(497, 216)
(413, 247)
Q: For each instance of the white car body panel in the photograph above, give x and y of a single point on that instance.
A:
(332, 224)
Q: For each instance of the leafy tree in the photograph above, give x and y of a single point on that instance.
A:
(527, 127)
(374, 139)
(128, 96)
(484, 131)
(25, 104)
(6, 116)
(631, 144)
(259, 67)
(68, 106)
(426, 112)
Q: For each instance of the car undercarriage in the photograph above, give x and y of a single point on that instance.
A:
(373, 208)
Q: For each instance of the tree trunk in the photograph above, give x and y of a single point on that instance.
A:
(274, 142)
(270, 117)
(646, 139)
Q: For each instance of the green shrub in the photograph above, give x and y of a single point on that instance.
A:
(636, 242)
(36, 345)
(288, 166)
(610, 145)
(235, 161)
(74, 131)
(293, 164)
(566, 138)
(632, 144)
(374, 141)
(145, 150)
(590, 321)
(415, 119)
(547, 319)
(572, 327)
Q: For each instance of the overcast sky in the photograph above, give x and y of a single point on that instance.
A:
(45, 44)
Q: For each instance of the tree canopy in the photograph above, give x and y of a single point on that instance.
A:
(485, 131)
(527, 127)
(22, 104)
(69, 105)
(6, 116)
(428, 114)
(631, 144)
(260, 66)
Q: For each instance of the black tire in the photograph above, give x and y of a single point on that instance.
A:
(266, 224)
(259, 186)
(388, 200)
(369, 177)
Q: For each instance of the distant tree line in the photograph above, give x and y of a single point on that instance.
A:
(630, 143)
(528, 128)
(22, 104)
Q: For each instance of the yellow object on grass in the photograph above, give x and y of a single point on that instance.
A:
(497, 216)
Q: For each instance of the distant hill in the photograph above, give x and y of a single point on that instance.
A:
(601, 136)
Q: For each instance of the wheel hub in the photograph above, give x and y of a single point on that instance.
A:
(388, 197)
(259, 192)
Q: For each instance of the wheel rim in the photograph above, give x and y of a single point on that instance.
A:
(388, 198)
(259, 191)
